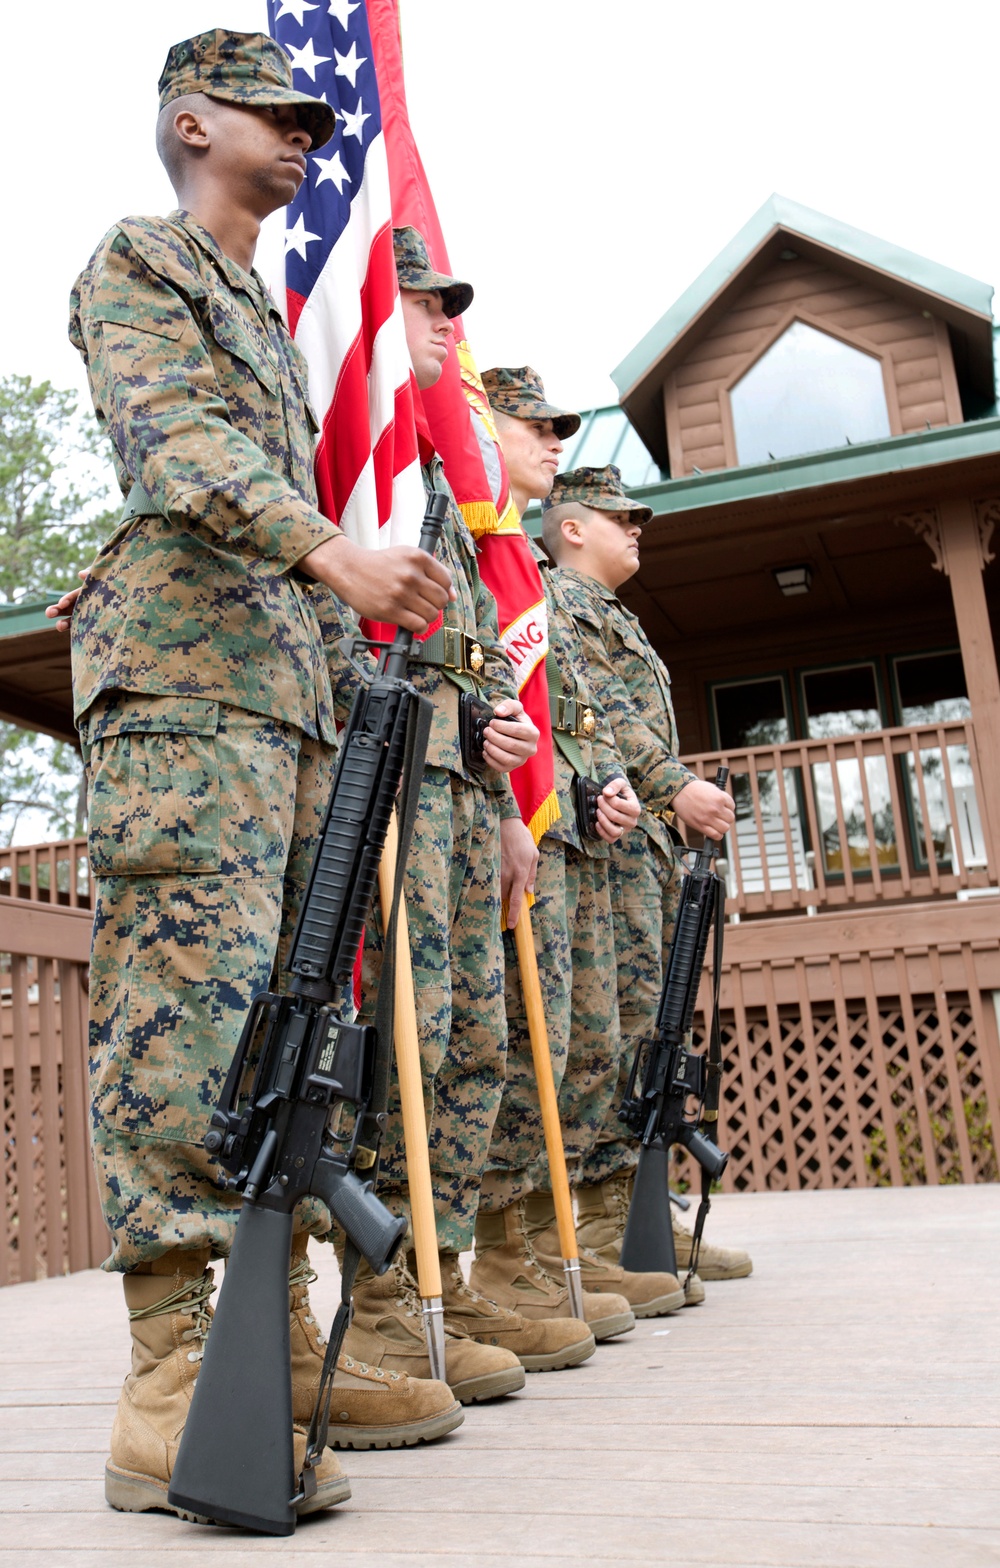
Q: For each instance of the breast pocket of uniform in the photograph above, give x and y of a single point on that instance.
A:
(154, 787)
(244, 342)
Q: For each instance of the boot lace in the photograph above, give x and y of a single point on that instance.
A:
(617, 1190)
(300, 1276)
(190, 1299)
(530, 1254)
(408, 1291)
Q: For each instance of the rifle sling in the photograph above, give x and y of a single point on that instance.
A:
(418, 727)
(565, 739)
(713, 1075)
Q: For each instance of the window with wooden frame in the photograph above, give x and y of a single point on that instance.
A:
(808, 390)
(852, 792)
(930, 689)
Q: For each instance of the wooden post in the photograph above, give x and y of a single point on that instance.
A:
(964, 554)
(531, 988)
(411, 1095)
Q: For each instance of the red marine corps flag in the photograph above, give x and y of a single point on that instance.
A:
(462, 430)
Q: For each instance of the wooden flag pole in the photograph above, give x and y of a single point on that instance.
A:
(531, 987)
(411, 1094)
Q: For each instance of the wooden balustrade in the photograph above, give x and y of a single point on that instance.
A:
(57, 873)
(52, 1218)
(862, 1048)
(860, 819)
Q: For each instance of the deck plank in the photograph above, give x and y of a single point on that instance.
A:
(839, 1409)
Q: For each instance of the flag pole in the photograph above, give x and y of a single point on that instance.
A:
(411, 1094)
(532, 990)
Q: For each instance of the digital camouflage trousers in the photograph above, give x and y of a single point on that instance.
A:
(452, 891)
(574, 944)
(203, 821)
(645, 893)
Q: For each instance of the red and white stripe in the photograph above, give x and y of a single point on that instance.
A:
(351, 331)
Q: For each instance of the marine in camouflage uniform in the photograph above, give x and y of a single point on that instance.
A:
(633, 685)
(207, 720)
(203, 699)
(452, 891)
(573, 937)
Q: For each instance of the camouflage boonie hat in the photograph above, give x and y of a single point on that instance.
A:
(520, 394)
(241, 68)
(600, 488)
(414, 271)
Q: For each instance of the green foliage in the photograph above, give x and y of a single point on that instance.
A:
(909, 1144)
(55, 487)
(54, 490)
(38, 774)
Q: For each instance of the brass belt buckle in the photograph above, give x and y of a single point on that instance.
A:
(462, 653)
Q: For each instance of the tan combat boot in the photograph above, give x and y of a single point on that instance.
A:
(649, 1295)
(602, 1214)
(713, 1262)
(540, 1345)
(507, 1271)
(169, 1317)
(387, 1333)
(371, 1407)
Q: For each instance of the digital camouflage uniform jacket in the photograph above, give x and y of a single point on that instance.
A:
(475, 612)
(597, 751)
(203, 393)
(632, 684)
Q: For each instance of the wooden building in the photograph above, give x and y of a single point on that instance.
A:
(814, 424)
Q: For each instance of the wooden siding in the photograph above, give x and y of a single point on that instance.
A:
(921, 386)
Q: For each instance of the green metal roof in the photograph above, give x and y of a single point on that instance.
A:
(778, 213)
(605, 436)
(896, 454)
(16, 619)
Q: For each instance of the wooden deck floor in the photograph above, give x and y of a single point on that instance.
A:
(837, 1410)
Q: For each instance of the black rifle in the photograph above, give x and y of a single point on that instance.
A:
(665, 1074)
(284, 1128)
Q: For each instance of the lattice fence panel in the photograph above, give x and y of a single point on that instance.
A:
(46, 1186)
(827, 1095)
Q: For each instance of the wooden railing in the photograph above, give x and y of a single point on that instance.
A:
(52, 1218)
(871, 818)
(56, 873)
(862, 1048)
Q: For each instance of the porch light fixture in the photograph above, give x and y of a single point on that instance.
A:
(793, 580)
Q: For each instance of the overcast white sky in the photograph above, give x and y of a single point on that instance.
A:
(588, 158)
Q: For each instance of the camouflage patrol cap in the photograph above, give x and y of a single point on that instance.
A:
(520, 394)
(600, 488)
(241, 68)
(414, 271)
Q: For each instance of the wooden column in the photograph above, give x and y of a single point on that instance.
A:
(965, 531)
(958, 532)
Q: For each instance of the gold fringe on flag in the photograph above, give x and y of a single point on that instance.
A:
(481, 517)
(547, 813)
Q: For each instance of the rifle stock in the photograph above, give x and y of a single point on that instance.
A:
(283, 1128)
(664, 1074)
(648, 1245)
(246, 1389)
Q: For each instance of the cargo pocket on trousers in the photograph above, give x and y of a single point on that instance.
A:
(154, 795)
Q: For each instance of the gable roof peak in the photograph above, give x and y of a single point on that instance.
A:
(963, 302)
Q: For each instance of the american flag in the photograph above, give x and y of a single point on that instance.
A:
(342, 298)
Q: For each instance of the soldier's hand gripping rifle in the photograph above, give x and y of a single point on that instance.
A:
(665, 1074)
(284, 1128)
